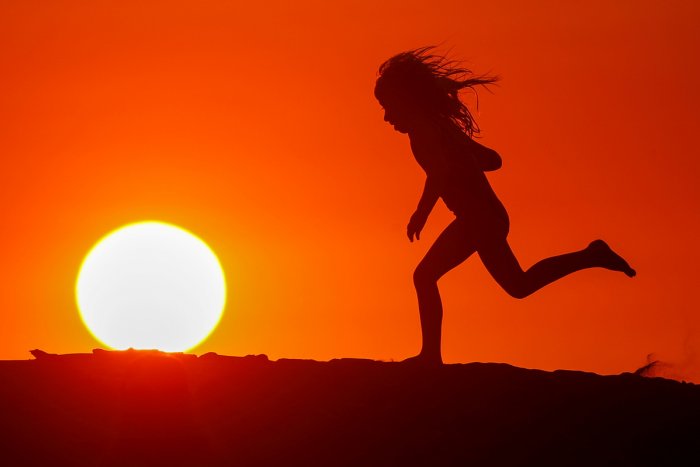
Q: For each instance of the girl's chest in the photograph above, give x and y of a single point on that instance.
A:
(442, 157)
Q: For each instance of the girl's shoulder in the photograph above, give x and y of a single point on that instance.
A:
(433, 147)
(429, 136)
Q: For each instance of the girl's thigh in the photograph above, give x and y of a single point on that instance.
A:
(500, 261)
(452, 247)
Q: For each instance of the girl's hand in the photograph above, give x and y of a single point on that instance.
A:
(415, 225)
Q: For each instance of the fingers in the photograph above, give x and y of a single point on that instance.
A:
(411, 232)
(412, 229)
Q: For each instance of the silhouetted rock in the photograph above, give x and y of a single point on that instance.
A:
(153, 408)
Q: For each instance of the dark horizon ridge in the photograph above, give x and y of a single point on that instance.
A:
(155, 408)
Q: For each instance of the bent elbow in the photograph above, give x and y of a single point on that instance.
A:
(493, 162)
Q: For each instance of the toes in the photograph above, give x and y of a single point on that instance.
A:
(610, 259)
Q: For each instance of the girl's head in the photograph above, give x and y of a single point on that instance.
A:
(416, 85)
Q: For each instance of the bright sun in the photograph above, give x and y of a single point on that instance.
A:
(151, 285)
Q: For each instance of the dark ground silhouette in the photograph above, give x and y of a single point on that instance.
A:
(419, 92)
(149, 408)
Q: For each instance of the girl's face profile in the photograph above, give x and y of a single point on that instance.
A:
(397, 112)
(396, 119)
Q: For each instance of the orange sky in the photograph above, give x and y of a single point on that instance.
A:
(255, 127)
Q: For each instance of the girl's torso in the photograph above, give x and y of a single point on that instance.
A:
(448, 156)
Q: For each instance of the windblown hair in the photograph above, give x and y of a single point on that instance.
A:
(432, 83)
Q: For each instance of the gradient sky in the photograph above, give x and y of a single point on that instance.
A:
(254, 126)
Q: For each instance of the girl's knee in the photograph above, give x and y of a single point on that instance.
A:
(517, 290)
(423, 276)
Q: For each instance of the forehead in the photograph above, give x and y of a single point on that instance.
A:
(386, 95)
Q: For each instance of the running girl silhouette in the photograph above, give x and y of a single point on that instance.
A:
(419, 92)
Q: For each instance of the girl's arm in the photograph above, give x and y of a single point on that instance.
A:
(425, 205)
(431, 162)
(428, 198)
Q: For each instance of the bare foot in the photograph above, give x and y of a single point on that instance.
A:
(608, 259)
(423, 360)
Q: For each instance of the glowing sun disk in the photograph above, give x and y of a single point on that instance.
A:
(151, 285)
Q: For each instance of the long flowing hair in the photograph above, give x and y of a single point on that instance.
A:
(431, 83)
